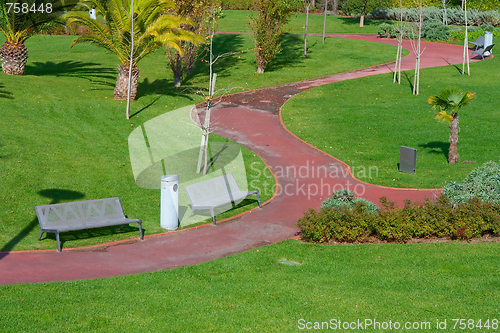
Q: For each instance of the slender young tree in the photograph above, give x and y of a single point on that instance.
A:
(418, 51)
(308, 5)
(399, 54)
(324, 20)
(451, 99)
(199, 12)
(267, 28)
(466, 42)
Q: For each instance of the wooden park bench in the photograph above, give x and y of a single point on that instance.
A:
(81, 215)
(215, 192)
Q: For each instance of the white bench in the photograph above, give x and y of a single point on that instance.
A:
(81, 215)
(215, 192)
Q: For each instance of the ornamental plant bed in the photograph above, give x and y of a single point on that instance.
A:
(415, 221)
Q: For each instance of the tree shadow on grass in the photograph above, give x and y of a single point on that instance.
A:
(5, 93)
(355, 21)
(159, 87)
(56, 196)
(291, 55)
(409, 81)
(85, 70)
(437, 147)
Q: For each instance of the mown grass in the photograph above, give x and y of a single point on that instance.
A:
(237, 21)
(64, 138)
(364, 121)
(253, 292)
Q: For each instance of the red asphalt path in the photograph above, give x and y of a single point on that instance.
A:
(253, 120)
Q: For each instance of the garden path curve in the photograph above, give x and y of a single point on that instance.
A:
(252, 119)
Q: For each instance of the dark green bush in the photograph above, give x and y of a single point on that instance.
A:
(387, 30)
(435, 30)
(433, 218)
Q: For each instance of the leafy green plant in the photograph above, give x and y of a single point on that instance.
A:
(345, 198)
(483, 183)
(436, 30)
(267, 29)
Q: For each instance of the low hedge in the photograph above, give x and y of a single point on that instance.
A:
(434, 218)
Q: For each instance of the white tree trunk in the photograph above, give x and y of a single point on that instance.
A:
(324, 21)
(466, 42)
(305, 32)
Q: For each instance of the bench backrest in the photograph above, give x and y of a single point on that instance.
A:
(69, 213)
(214, 188)
(480, 40)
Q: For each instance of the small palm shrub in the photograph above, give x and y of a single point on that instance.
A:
(345, 198)
(483, 183)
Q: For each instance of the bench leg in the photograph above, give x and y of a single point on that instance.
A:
(58, 242)
(258, 199)
(140, 230)
(41, 233)
(213, 216)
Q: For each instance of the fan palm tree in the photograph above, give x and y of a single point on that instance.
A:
(19, 20)
(451, 99)
(153, 27)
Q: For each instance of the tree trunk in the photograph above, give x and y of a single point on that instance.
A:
(362, 18)
(178, 69)
(121, 88)
(14, 56)
(305, 32)
(454, 129)
(335, 7)
(324, 21)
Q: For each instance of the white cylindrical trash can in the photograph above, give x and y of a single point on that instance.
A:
(488, 40)
(169, 217)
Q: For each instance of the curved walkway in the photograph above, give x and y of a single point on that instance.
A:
(252, 119)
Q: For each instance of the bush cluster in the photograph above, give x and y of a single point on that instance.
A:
(435, 30)
(433, 218)
(392, 30)
(346, 198)
(455, 16)
(483, 183)
(472, 34)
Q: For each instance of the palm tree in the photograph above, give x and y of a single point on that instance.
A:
(19, 20)
(152, 28)
(451, 99)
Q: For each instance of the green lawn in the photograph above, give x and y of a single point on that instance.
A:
(364, 121)
(237, 21)
(253, 292)
(64, 138)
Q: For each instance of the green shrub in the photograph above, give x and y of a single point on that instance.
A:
(487, 27)
(345, 198)
(387, 30)
(433, 218)
(436, 30)
(483, 182)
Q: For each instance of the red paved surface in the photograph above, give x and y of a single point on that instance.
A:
(252, 119)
